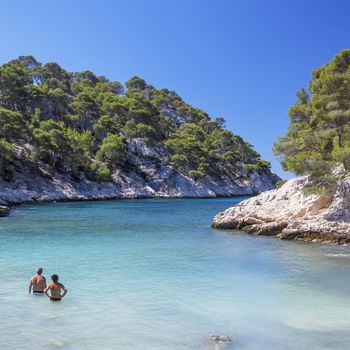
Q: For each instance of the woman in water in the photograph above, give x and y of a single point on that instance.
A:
(55, 287)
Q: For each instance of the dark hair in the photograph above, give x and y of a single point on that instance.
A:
(54, 277)
(39, 271)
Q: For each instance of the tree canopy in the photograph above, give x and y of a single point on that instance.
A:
(318, 136)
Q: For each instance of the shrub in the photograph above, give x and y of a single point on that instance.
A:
(196, 174)
(99, 172)
(103, 174)
(280, 183)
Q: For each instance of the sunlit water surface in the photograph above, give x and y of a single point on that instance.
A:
(153, 275)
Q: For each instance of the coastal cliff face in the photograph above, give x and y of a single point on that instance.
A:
(150, 177)
(75, 136)
(289, 213)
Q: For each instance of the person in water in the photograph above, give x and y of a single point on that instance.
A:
(37, 283)
(55, 288)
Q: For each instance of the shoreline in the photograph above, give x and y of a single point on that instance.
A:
(9, 206)
(62, 188)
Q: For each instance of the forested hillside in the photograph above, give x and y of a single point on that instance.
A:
(80, 123)
(55, 123)
(318, 137)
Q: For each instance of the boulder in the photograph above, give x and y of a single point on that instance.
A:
(4, 210)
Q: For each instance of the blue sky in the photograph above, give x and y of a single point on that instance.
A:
(242, 60)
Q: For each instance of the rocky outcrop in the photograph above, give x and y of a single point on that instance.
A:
(4, 210)
(148, 178)
(289, 213)
(219, 341)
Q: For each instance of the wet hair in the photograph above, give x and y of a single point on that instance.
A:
(54, 277)
(39, 271)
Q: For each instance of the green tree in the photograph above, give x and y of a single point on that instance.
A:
(145, 131)
(7, 152)
(112, 151)
(188, 147)
(318, 135)
(116, 107)
(12, 125)
(14, 82)
(101, 171)
(81, 146)
(136, 83)
(55, 77)
(105, 125)
(130, 129)
(51, 142)
(87, 108)
(7, 156)
(141, 110)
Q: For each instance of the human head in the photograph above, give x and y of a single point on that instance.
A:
(39, 271)
(54, 278)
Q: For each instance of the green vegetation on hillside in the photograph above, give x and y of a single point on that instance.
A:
(318, 136)
(80, 123)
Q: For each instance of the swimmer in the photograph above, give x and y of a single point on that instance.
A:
(55, 288)
(37, 283)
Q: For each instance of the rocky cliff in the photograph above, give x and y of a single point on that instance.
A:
(289, 213)
(148, 178)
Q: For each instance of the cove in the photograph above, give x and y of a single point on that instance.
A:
(152, 274)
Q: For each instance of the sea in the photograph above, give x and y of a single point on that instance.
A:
(151, 274)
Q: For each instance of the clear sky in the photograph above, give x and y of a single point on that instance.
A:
(242, 60)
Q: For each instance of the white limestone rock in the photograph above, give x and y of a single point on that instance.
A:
(289, 213)
(149, 177)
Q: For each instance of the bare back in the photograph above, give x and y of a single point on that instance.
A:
(55, 289)
(38, 283)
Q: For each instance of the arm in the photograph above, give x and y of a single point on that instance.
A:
(30, 286)
(65, 290)
(46, 290)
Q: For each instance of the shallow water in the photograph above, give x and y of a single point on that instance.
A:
(152, 274)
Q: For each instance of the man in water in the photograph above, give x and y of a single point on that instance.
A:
(55, 287)
(37, 282)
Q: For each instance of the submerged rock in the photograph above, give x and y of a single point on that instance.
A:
(289, 213)
(219, 341)
(222, 338)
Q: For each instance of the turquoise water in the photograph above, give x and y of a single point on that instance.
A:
(152, 274)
